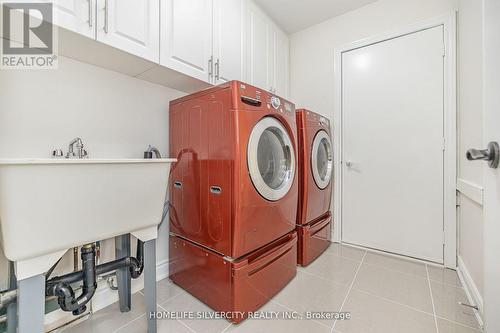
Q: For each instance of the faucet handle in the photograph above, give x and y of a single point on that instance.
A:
(57, 153)
(85, 154)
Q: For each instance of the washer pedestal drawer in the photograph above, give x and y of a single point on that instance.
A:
(314, 239)
(235, 287)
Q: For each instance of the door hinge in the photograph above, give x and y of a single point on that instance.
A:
(444, 49)
(444, 144)
(444, 238)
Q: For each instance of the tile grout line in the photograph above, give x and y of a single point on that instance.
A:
(324, 278)
(459, 324)
(179, 321)
(293, 310)
(432, 298)
(128, 323)
(395, 302)
(349, 290)
(397, 270)
(226, 328)
(415, 309)
(342, 256)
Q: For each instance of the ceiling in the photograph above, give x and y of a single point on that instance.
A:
(295, 15)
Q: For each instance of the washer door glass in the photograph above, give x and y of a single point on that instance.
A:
(271, 159)
(322, 159)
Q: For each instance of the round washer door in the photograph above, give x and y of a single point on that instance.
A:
(271, 159)
(322, 159)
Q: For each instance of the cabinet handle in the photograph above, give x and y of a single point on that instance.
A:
(91, 17)
(106, 19)
(211, 67)
(217, 70)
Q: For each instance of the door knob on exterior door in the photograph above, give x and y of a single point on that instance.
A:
(349, 164)
(490, 154)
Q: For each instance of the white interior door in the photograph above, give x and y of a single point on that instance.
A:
(491, 207)
(393, 158)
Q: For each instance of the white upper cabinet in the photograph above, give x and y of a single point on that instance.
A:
(258, 63)
(130, 25)
(186, 37)
(267, 52)
(76, 15)
(213, 41)
(227, 40)
(281, 63)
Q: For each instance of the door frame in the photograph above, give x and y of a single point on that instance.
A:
(448, 21)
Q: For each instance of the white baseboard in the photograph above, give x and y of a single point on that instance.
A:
(471, 289)
(162, 270)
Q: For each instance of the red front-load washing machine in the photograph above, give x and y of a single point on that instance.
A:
(233, 194)
(314, 219)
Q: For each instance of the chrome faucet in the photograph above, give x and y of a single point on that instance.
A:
(149, 153)
(80, 151)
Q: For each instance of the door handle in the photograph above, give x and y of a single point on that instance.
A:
(349, 164)
(490, 154)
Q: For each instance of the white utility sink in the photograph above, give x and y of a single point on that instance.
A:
(50, 205)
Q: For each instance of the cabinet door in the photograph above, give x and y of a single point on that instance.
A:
(281, 64)
(258, 42)
(186, 37)
(271, 57)
(130, 25)
(227, 42)
(76, 15)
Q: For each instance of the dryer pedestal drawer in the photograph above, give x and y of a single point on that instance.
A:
(236, 287)
(314, 239)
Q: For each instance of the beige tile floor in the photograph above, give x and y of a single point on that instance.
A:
(383, 294)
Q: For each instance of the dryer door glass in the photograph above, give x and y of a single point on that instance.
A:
(322, 159)
(271, 159)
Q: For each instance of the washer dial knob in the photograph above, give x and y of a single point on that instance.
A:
(275, 102)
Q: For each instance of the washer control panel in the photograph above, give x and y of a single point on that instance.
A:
(252, 98)
(275, 102)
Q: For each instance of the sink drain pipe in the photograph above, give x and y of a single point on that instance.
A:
(60, 286)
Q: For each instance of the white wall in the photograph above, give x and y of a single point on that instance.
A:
(312, 84)
(470, 114)
(312, 49)
(115, 115)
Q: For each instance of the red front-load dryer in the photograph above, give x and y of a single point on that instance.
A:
(314, 219)
(233, 193)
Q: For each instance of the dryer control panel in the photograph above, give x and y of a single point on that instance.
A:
(318, 119)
